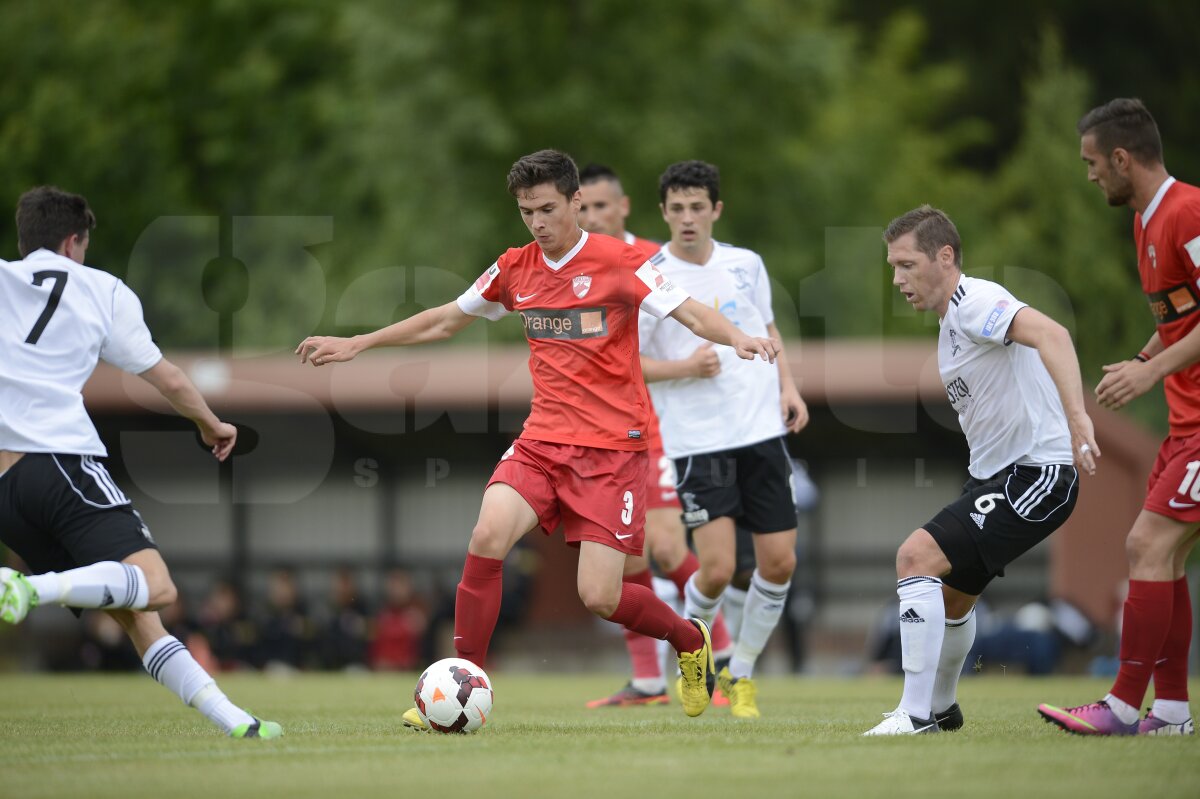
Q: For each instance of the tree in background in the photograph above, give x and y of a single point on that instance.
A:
(265, 168)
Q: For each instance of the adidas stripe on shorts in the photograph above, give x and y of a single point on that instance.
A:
(59, 512)
(997, 520)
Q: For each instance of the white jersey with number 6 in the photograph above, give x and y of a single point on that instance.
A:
(57, 319)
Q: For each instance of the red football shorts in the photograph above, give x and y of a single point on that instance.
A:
(1174, 485)
(595, 494)
(660, 487)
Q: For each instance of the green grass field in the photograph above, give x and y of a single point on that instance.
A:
(96, 737)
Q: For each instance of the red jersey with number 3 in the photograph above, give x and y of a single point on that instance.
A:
(580, 315)
(1168, 247)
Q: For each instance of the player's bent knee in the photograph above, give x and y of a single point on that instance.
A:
(668, 555)
(713, 577)
(779, 569)
(916, 555)
(488, 542)
(162, 593)
(1144, 549)
(601, 601)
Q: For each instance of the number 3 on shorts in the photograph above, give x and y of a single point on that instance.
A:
(627, 513)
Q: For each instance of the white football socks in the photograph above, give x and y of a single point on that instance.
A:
(169, 662)
(697, 605)
(1172, 711)
(734, 607)
(922, 628)
(649, 685)
(765, 602)
(956, 644)
(1126, 712)
(107, 584)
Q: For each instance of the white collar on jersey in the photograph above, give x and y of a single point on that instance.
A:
(1153, 206)
(561, 262)
(629, 237)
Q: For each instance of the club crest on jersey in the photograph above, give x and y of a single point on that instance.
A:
(581, 285)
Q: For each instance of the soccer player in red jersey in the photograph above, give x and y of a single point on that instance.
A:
(1121, 146)
(604, 207)
(581, 459)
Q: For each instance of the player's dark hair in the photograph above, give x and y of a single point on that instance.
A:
(544, 166)
(933, 230)
(1125, 123)
(690, 175)
(47, 216)
(594, 173)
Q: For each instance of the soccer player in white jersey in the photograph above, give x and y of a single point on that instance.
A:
(725, 432)
(60, 510)
(604, 207)
(1012, 376)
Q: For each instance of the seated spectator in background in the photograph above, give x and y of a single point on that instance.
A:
(1034, 639)
(224, 625)
(344, 638)
(400, 626)
(284, 631)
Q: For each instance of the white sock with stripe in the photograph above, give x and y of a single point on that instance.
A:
(922, 628)
(169, 662)
(764, 605)
(956, 645)
(107, 584)
(697, 605)
(734, 606)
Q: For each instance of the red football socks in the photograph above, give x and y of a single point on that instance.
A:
(1144, 630)
(476, 607)
(643, 651)
(681, 573)
(643, 612)
(1171, 671)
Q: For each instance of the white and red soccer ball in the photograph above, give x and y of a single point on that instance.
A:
(454, 695)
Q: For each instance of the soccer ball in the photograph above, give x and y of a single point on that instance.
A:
(454, 695)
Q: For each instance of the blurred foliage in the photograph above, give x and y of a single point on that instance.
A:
(268, 168)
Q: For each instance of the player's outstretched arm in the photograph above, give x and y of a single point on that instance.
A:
(791, 405)
(185, 398)
(1034, 329)
(434, 324)
(710, 324)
